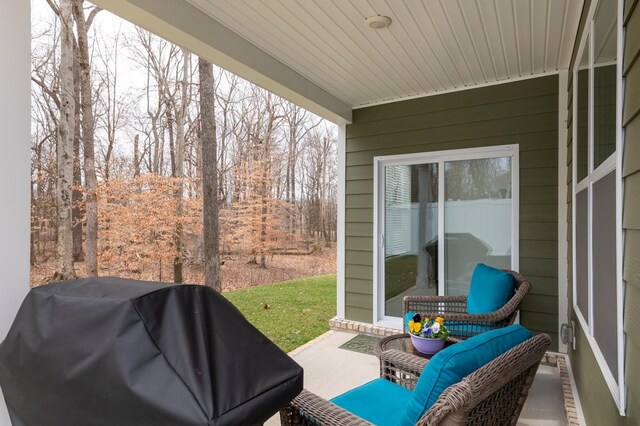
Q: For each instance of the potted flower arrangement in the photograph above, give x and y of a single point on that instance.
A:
(427, 335)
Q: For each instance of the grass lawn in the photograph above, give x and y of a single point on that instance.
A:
(298, 310)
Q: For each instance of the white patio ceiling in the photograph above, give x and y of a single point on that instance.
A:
(431, 45)
(322, 55)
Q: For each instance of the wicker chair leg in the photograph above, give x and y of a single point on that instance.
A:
(289, 416)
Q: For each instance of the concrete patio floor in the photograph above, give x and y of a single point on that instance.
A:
(330, 371)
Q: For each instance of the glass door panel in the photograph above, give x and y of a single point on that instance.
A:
(410, 233)
(477, 225)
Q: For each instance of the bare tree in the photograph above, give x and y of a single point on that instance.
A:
(210, 212)
(66, 126)
(88, 135)
(45, 117)
(111, 106)
(181, 112)
(76, 208)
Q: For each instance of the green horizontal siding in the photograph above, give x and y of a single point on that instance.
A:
(359, 257)
(543, 195)
(632, 41)
(529, 142)
(538, 231)
(631, 148)
(479, 114)
(533, 177)
(359, 230)
(360, 286)
(358, 300)
(458, 136)
(540, 303)
(632, 95)
(543, 285)
(358, 314)
(631, 211)
(632, 316)
(451, 101)
(631, 259)
(539, 249)
(358, 187)
(523, 113)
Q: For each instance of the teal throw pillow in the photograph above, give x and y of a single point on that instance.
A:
(490, 289)
(452, 364)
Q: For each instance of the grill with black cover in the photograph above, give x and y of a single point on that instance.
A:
(111, 351)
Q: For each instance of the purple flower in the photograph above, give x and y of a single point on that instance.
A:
(427, 331)
(416, 318)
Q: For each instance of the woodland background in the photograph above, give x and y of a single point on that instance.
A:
(118, 140)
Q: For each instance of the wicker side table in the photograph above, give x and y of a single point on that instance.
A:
(400, 362)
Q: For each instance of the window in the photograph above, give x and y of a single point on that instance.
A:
(597, 286)
(437, 215)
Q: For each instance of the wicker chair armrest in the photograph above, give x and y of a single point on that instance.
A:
(514, 303)
(404, 360)
(317, 411)
(436, 299)
(401, 368)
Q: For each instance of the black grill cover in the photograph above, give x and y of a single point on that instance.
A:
(110, 351)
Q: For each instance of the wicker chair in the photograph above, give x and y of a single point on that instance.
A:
(454, 310)
(492, 395)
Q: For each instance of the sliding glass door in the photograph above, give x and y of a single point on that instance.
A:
(436, 216)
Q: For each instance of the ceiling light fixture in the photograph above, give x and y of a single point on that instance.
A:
(378, 22)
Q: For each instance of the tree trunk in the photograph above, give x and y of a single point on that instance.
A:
(210, 206)
(136, 157)
(179, 168)
(65, 270)
(88, 129)
(76, 210)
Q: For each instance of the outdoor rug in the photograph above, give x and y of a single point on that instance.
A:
(361, 343)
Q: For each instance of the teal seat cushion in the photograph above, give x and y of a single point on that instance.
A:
(452, 364)
(379, 401)
(490, 289)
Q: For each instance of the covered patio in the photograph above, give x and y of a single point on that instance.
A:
(416, 88)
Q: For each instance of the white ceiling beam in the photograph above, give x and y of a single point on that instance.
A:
(185, 25)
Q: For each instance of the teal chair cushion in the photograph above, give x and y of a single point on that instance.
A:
(452, 364)
(378, 401)
(490, 289)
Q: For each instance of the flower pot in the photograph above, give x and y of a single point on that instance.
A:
(426, 346)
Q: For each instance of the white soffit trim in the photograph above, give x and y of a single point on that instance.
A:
(185, 25)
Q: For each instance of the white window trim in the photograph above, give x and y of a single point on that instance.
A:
(614, 380)
(379, 163)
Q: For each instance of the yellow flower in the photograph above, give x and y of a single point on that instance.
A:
(440, 320)
(414, 327)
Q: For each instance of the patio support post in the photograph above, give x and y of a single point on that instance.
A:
(341, 225)
(15, 119)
